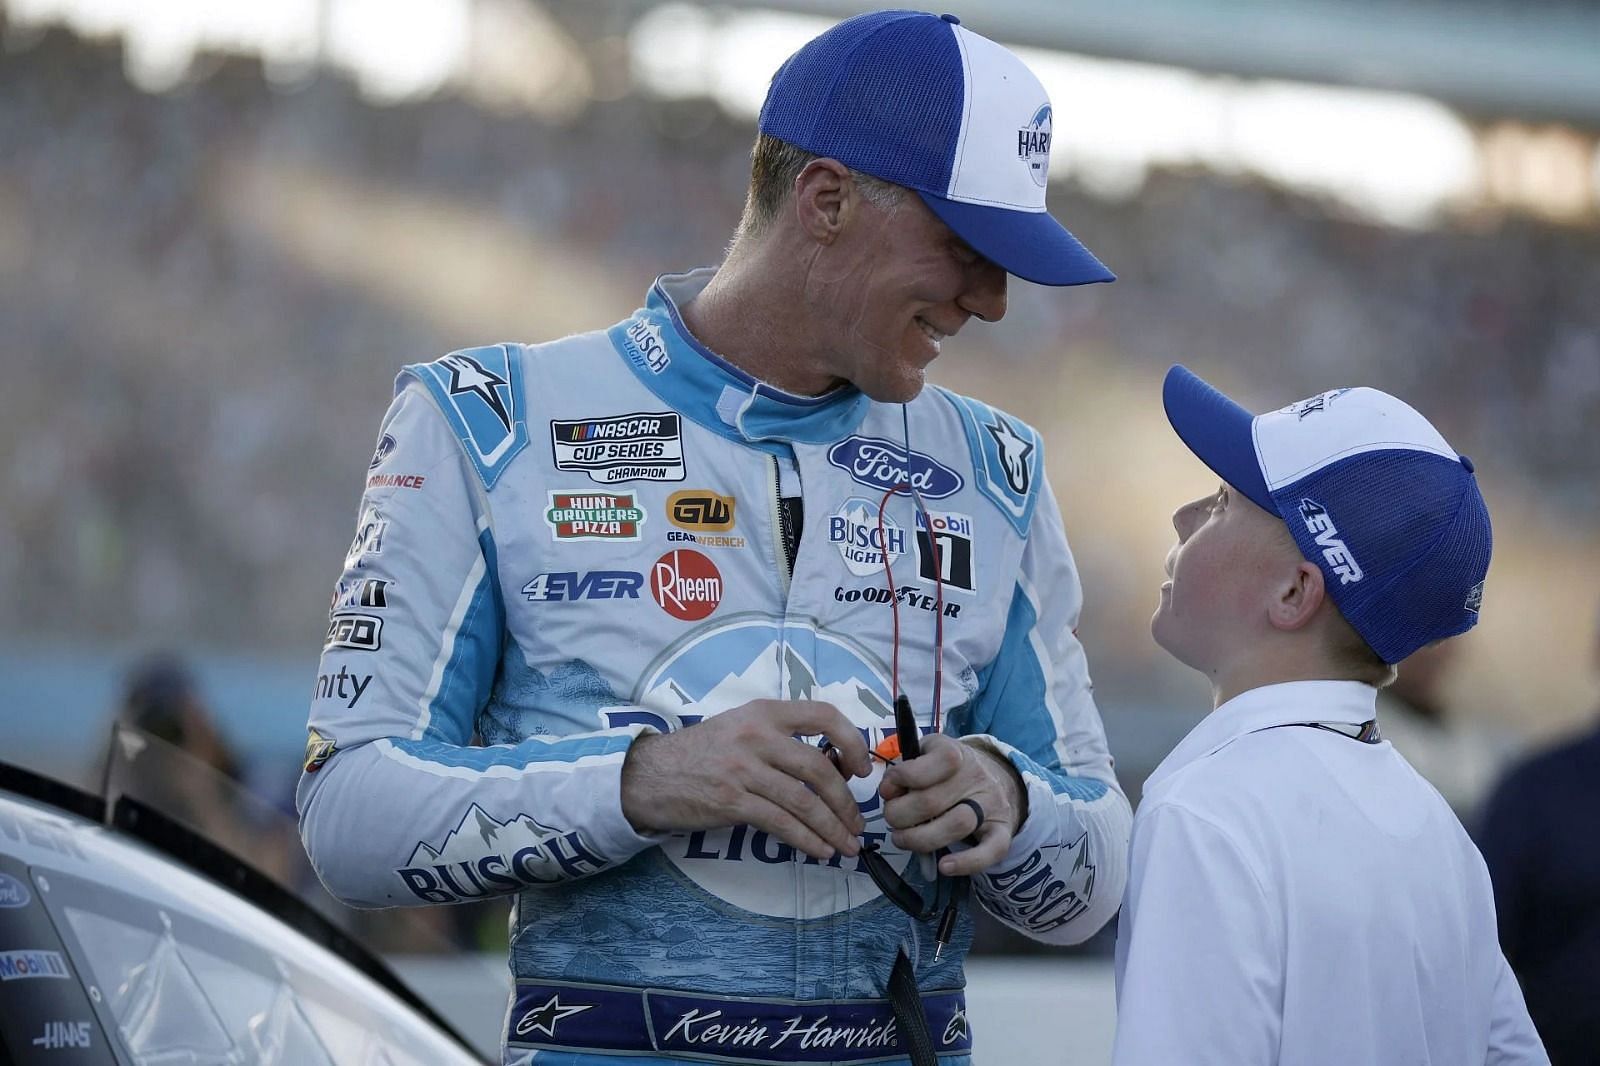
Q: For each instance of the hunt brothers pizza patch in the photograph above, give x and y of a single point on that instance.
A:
(594, 516)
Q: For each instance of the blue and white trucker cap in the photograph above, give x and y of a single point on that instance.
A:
(921, 101)
(1372, 494)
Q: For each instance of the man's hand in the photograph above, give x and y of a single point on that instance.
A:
(923, 802)
(745, 766)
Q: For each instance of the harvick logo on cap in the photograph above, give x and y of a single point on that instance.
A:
(1033, 145)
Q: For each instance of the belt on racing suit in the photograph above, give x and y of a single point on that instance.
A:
(571, 1016)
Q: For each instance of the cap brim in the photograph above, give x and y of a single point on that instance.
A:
(1029, 244)
(1218, 431)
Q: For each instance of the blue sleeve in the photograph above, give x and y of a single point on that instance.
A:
(1064, 875)
(397, 805)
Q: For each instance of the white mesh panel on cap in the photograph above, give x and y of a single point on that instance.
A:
(1003, 101)
(1298, 440)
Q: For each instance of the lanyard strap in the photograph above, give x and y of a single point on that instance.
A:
(1367, 732)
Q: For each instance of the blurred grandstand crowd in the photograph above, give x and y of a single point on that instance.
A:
(205, 294)
(195, 371)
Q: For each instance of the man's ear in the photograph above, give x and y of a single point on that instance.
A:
(825, 195)
(1296, 597)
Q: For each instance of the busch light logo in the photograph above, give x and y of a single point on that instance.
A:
(1042, 893)
(483, 856)
(368, 540)
(1033, 146)
(862, 544)
(1334, 551)
(719, 667)
(13, 893)
(884, 464)
(645, 346)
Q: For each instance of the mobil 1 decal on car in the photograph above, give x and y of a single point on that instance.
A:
(644, 446)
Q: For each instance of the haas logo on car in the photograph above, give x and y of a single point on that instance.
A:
(686, 584)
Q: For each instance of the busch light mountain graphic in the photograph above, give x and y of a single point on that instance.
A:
(479, 834)
(483, 856)
(725, 667)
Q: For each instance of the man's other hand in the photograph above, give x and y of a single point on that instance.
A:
(923, 802)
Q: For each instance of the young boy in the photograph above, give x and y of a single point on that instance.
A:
(1298, 894)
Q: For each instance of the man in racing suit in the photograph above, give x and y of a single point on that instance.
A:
(608, 595)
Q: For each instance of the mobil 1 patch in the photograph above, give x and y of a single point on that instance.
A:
(644, 446)
(944, 552)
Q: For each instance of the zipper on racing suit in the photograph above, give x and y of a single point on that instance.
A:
(785, 560)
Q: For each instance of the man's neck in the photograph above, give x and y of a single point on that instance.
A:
(759, 327)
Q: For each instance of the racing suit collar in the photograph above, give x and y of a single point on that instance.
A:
(713, 392)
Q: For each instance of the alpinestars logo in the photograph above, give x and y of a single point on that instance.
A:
(1334, 550)
(1014, 452)
(467, 375)
(545, 1019)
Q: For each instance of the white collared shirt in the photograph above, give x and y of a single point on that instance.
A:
(1300, 897)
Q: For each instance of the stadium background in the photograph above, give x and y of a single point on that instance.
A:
(224, 227)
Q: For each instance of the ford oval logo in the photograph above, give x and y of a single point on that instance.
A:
(884, 464)
(13, 893)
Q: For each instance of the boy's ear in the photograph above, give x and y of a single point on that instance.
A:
(1296, 597)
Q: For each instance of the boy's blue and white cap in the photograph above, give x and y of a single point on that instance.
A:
(1372, 494)
(921, 101)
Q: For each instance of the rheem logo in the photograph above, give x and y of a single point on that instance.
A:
(686, 584)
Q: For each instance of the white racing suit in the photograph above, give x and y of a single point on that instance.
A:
(564, 546)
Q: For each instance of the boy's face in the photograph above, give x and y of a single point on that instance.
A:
(1230, 559)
